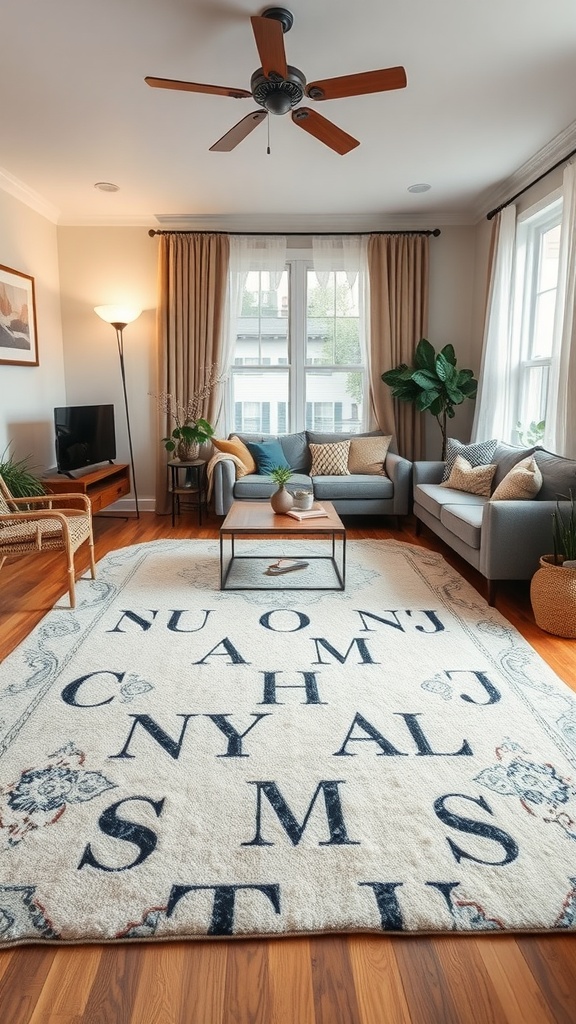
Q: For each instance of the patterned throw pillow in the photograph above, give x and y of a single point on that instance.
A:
(368, 454)
(522, 482)
(476, 454)
(234, 446)
(330, 459)
(473, 479)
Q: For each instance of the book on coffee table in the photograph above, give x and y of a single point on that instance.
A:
(316, 512)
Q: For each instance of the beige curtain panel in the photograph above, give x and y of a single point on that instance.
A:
(192, 291)
(398, 269)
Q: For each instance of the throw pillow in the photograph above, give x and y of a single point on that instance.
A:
(234, 446)
(368, 455)
(522, 482)
(268, 455)
(330, 459)
(478, 454)
(473, 479)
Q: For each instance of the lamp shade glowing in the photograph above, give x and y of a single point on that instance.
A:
(118, 314)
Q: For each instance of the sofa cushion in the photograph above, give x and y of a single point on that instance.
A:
(433, 497)
(506, 457)
(465, 521)
(368, 454)
(330, 459)
(234, 446)
(323, 437)
(268, 455)
(257, 486)
(353, 487)
(476, 454)
(558, 475)
(522, 482)
(473, 479)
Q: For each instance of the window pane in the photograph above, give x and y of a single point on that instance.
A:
(543, 325)
(334, 401)
(549, 251)
(262, 328)
(260, 401)
(332, 321)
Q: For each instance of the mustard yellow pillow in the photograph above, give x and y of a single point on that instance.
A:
(473, 479)
(234, 446)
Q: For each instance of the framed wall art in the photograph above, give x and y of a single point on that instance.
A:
(18, 338)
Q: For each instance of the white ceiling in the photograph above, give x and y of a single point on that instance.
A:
(490, 85)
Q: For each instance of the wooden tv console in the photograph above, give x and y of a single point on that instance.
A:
(103, 485)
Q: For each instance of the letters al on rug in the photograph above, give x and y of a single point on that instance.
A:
(178, 762)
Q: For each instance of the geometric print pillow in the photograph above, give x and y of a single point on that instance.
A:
(476, 454)
(330, 459)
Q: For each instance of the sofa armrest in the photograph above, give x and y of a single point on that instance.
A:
(515, 534)
(428, 472)
(223, 480)
(400, 472)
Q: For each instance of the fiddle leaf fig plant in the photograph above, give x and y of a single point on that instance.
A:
(433, 383)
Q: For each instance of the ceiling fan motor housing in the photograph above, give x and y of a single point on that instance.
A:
(278, 95)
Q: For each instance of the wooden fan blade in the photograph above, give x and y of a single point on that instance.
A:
(357, 85)
(239, 132)
(324, 130)
(269, 36)
(216, 90)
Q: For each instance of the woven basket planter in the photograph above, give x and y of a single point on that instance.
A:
(553, 597)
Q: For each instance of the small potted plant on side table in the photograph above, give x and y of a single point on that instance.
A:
(553, 586)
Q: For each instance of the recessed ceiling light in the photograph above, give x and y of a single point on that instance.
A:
(106, 186)
(419, 188)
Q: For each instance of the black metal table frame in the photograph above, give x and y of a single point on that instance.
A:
(339, 570)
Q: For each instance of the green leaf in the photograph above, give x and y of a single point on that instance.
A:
(449, 354)
(427, 399)
(424, 356)
(425, 379)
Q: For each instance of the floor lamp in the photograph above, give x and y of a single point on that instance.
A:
(119, 317)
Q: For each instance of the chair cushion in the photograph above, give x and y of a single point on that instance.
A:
(522, 482)
(558, 475)
(257, 485)
(476, 454)
(433, 497)
(506, 457)
(330, 459)
(355, 487)
(465, 521)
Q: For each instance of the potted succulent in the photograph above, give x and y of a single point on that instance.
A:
(553, 586)
(281, 500)
(433, 383)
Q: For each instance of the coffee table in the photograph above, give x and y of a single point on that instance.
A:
(247, 571)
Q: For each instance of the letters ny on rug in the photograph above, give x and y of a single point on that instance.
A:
(178, 762)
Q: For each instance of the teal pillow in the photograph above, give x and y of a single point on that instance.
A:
(267, 455)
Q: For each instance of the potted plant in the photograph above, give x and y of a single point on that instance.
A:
(553, 586)
(281, 500)
(433, 383)
(18, 476)
(191, 430)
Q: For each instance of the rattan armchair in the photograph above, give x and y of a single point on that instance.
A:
(32, 525)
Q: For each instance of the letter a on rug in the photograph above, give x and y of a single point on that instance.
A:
(181, 762)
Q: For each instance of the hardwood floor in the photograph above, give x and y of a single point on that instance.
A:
(350, 979)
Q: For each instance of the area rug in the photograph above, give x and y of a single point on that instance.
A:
(179, 762)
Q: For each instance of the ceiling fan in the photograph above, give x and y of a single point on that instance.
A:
(278, 87)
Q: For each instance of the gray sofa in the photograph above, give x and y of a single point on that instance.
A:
(357, 494)
(503, 540)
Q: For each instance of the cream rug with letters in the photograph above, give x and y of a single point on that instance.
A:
(178, 762)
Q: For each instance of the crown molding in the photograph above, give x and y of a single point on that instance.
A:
(16, 188)
(537, 165)
(137, 220)
(309, 223)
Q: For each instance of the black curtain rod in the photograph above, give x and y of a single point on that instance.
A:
(503, 206)
(296, 234)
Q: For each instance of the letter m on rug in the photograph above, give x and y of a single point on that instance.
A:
(295, 831)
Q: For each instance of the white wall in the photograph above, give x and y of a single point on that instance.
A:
(102, 266)
(28, 394)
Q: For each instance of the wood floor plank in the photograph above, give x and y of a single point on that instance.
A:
(517, 989)
(68, 983)
(115, 985)
(377, 982)
(203, 983)
(333, 981)
(246, 992)
(468, 980)
(290, 971)
(552, 961)
(23, 981)
(422, 972)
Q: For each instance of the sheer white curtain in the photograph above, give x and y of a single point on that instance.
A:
(349, 255)
(496, 403)
(560, 434)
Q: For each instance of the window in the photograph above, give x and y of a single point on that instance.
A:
(537, 251)
(298, 350)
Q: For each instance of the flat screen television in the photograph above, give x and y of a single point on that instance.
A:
(85, 436)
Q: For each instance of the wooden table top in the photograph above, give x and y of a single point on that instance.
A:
(258, 517)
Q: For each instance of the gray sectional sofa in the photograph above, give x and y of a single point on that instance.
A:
(503, 540)
(356, 494)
